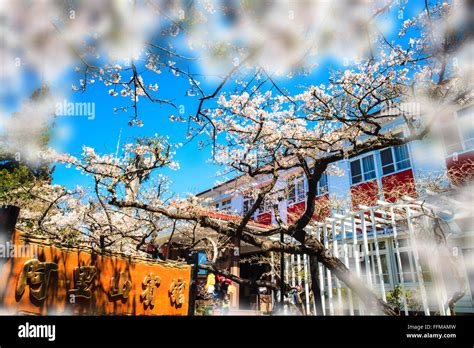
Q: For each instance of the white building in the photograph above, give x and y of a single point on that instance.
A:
(392, 186)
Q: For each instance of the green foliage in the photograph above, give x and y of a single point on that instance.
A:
(16, 173)
(395, 300)
(203, 308)
(10, 179)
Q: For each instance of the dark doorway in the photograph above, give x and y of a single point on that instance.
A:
(252, 270)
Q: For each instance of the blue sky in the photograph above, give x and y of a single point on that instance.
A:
(104, 132)
(196, 174)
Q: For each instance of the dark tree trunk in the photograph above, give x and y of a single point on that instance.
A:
(8, 217)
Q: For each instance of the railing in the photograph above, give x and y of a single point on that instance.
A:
(391, 247)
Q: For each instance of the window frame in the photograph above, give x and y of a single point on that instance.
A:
(385, 254)
(247, 199)
(361, 166)
(319, 192)
(455, 123)
(462, 128)
(298, 197)
(412, 272)
(394, 162)
(465, 257)
(265, 207)
(227, 207)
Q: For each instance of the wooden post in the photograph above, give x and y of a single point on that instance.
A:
(235, 270)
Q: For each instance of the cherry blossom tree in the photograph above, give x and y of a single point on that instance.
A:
(257, 129)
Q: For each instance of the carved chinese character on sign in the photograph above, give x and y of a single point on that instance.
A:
(37, 275)
(120, 286)
(150, 283)
(176, 292)
(83, 277)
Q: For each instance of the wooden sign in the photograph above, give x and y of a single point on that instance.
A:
(56, 280)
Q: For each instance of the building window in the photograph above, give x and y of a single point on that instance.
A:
(266, 206)
(408, 267)
(323, 184)
(466, 124)
(452, 140)
(468, 257)
(408, 264)
(248, 203)
(226, 205)
(394, 159)
(363, 169)
(296, 190)
(458, 132)
(373, 262)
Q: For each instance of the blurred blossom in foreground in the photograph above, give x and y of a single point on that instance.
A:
(129, 46)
